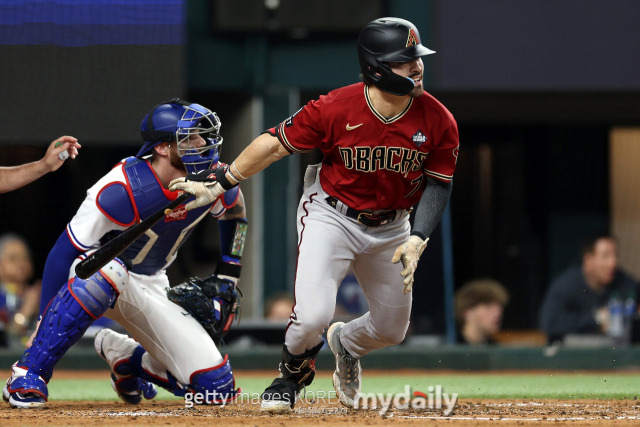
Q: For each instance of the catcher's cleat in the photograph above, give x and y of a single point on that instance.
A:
(131, 389)
(25, 389)
(347, 377)
(279, 397)
(116, 349)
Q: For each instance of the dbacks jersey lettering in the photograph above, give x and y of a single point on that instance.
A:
(370, 161)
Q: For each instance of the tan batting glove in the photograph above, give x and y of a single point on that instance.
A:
(206, 192)
(409, 253)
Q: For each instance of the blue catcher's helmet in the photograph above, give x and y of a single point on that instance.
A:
(176, 121)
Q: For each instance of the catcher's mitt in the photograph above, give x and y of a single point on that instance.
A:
(213, 302)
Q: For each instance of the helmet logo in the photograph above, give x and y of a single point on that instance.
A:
(412, 40)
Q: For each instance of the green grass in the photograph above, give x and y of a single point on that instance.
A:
(486, 385)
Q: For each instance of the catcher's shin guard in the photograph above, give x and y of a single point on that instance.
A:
(214, 385)
(132, 381)
(69, 314)
(296, 372)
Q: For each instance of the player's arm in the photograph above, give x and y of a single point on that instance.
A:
(56, 268)
(14, 177)
(209, 185)
(429, 211)
(107, 207)
(263, 151)
(431, 207)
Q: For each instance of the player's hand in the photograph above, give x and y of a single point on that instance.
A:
(207, 185)
(59, 150)
(205, 192)
(409, 253)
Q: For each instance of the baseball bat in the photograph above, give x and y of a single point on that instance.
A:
(94, 262)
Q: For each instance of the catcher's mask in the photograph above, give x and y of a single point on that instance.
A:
(176, 121)
(389, 40)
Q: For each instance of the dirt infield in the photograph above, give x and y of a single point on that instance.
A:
(468, 412)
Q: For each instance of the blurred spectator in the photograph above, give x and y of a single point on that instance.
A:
(350, 300)
(19, 297)
(577, 299)
(278, 308)
(479, 305)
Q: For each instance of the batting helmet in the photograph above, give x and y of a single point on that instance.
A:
(176, 121)
(389, 40)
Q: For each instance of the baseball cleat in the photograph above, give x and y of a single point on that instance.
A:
(347, 377)
(116, 349)
(279, 397)
(131, 389)
(25, 389)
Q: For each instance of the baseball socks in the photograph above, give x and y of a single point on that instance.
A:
(296, 372)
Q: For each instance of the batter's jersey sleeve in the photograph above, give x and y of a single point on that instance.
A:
(308, 118)
(441, 161)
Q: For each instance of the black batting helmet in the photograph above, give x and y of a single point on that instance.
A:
(389, 40)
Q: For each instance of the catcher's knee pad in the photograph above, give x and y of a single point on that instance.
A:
(97, 293)
(214, 385)
(300, 369)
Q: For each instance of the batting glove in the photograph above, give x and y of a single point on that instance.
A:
(206, 186)
(409, 253)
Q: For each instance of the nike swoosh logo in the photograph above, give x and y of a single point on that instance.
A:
(353, 127)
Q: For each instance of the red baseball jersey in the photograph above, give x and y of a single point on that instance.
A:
(373, 162)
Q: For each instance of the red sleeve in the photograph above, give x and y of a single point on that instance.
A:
(441, 162)
(304, 130)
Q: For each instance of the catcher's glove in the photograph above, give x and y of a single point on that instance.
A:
(213, 302)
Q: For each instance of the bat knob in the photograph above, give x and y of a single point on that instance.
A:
(168, 211)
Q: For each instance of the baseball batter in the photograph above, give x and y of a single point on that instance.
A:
(169, 348)
(387, 145)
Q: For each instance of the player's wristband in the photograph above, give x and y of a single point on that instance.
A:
(419, 234)
(227, 269)
(221, 177)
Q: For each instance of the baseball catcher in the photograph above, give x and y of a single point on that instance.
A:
(163, 346)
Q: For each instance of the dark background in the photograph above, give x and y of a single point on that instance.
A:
(536, 87)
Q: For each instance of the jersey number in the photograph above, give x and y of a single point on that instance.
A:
(153, 236)
(417, 183)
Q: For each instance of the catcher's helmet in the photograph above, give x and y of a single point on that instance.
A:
(389, 40)
(175, 121)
